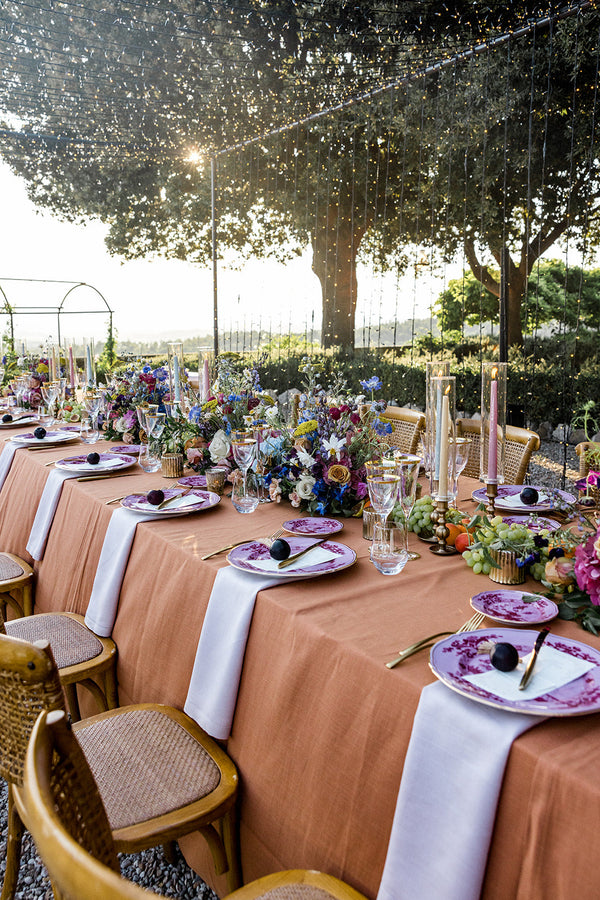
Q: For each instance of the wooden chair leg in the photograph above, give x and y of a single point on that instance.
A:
(13, 850)
(72, 701)
(27, 597)
(229, 828)
(111, 690)
(170, 852)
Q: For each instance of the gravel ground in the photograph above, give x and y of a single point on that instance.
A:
(148, 869)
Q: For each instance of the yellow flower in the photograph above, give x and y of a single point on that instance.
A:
(306, 428)
(339, 474)
(209, 405)
(42, 367)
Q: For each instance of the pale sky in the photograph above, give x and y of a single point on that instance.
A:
(160, 298)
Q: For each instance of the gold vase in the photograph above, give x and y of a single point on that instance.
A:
(172, 465)
(508, 572)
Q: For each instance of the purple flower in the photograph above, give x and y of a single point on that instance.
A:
(587, 569)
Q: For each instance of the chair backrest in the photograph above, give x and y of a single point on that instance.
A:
(520, 444)
(29, 683)
(67, 819)
(407, 427)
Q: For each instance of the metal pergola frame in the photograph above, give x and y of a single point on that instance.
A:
(58, 311)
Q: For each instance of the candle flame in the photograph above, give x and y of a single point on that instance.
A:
(447, 391)
(495, 372)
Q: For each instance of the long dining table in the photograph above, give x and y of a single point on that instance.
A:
(321, 726)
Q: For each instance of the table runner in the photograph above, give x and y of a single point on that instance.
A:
(104, 600)
(217, 668)
(45, 512)
(448, 796)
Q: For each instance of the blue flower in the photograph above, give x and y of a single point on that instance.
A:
(372, 384)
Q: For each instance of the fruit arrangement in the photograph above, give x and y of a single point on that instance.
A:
(420, 522)
(495, 534)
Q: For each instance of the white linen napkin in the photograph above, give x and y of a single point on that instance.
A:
(10, 448)
(45, 512)
(448, 797)
(212, 693)
(104, 600)
(552, 669)
(515, 502)
(313, 558)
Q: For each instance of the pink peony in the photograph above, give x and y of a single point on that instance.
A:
(587, 569)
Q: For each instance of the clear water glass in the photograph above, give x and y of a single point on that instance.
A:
(388, 550)
(407, 469)
(245, 494)
(383, 493)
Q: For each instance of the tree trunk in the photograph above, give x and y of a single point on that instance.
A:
(335, 244)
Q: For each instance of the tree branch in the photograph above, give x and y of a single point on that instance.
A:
(481, 273)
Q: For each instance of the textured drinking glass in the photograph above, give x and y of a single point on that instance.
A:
(244, 495)
(388, 551)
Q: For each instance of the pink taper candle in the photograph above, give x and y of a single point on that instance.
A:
(205, 380)
(492, 473)
(71, 369)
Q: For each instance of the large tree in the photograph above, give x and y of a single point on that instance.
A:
(105, 101)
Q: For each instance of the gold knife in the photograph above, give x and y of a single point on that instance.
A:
(538, 643)
(173, 499)
(286, 562)
(102, 477)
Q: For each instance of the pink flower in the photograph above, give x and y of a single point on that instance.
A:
(587, 569)
(295, 499)
(275, 490)
(354, 418)
(130, 418)
(335, 413)
(193, 455)
(127, 438)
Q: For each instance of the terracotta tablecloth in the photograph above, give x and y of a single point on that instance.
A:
(321, 725)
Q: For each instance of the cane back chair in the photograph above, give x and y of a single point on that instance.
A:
(407, 427)
(16, 585)
(72, 832)
(159, 774)
(520, 445)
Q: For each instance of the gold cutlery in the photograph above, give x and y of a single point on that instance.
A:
(538, 643)
(102, 477)
(170, 500)
(272, 537)
(471, 624)
(295, 556)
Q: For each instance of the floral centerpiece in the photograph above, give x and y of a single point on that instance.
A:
(322, 459)
(125, 393)
(573, 577)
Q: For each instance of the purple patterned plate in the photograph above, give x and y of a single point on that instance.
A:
(243, 557)
(313, 525)
(537, 524)
(138, 503)
(455, 657)
(507, 491)
(195, 481)
(515, 607)
(18, 423)
(52, 437)
(131, 449)
(109, 462)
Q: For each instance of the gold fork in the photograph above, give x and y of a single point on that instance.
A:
(272, 538)
(471, 624)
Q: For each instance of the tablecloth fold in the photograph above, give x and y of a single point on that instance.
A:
(448, 797)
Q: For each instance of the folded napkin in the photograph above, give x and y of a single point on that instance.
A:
(515, 502)
(174, 502)
(552, 669)
(10, 448)
(448, 797)
(104, 600)
(45, 512)
(313, 558)
(212, 693)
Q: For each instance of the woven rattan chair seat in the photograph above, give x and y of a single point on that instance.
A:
(71, 642)
(9, 569)
(143, 778)
(296, 892)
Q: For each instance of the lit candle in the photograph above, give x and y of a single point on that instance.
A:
(445, 417)
(492, 473)
(438, 433)
(54, 369)
(205, 380)
(176, 385)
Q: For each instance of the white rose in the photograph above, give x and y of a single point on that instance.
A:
(304, 486)
(120, 425)
(219, 446)
(271, 413)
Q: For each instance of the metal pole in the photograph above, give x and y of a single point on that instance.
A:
(503, 324)
(213, 220)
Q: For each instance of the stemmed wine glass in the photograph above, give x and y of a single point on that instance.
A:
(383, 492)
(407, 468)
(49, 394)
(244, 452)
(463, 448)
(154, 425)
(92, 401)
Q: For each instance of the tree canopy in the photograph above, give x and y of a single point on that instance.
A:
(106, 105)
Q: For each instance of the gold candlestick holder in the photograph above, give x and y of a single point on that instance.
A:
(441, 530)
(491, 490)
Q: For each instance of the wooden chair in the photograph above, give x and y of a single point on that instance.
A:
(581, 451)
(159, 774)
(16, 585)
(520, 444)
(82, 657)
(407, 427)
(72, 832)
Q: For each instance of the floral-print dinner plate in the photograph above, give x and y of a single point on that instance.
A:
(194, 501)
(313, 525)
(246, 556)
(51, 437)
(195, 481)
(508, 494)
(18, 423)
(534, 523)
(131, 449)
(455, 658)
(108, 462)
(515, 607)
